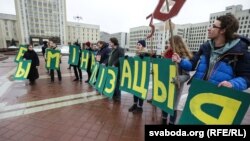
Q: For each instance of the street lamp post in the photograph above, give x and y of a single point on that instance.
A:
(78, 18)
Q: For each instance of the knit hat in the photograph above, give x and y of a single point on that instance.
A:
(87, 44)
(142, 42)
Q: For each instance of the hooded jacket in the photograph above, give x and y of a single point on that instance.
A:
(230, 63)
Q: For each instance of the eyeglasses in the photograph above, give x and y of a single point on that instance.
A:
(215, 26)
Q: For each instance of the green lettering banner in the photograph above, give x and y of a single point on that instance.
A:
(84, 60)
(111, 79)
(92, 61)
(126, 74)
(209, 104)
(140, 73)
(163, 90)
(53, 59)
(92, 79)
(101, 79)
(23, 69)
(74, 53)
(22, 49)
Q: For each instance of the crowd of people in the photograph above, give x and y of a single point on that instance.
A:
(223, 60)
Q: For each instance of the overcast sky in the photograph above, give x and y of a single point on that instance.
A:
(120, 15)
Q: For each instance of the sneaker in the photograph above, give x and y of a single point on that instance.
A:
(132, 108)
(138, 110)
(87, 81)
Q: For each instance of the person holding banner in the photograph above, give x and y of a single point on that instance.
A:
(167, 53)
(52, 45)
(224, 59)
(45, 46)
(31, 55)
(102, 55)
(77, 69)
(88, 47)
(113, 60)
(182, 49)
(138, 102)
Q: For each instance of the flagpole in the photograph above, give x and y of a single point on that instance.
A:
(173, 45)
(78, 18)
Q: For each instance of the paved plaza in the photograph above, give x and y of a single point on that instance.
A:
(67, 110)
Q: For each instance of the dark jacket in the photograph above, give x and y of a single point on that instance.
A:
(31, 55)
(104, 53)
(44, 49)
(90, 60)
(115, 55)
(232, 65)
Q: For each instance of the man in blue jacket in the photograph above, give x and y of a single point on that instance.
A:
(224, 60)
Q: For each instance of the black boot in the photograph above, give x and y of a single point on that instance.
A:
(149, 100)
(138, 110)
(164, 121)
(132, 108)
(76, 79)
(32, 82)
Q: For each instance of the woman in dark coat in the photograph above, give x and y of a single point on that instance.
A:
(31, 55)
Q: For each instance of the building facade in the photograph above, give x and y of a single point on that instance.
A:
(193, 34)
(242, 15)
(41, 20)
(9, 34)
(104, 36)
(197, 33)
(154, 44)
(122, 38)
(82, 32)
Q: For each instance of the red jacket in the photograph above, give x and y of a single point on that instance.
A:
(168, 54)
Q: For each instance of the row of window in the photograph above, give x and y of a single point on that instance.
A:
(198, 33)
(73, 38)
(40, 3)
(74, 29)
(199, 28)
(144, 35)
(242, 18)
(7, 34)
(84, 35)
(244, 31)
(196, 41)
(242, 22)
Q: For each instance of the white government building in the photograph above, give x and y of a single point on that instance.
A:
(82, 32)
(37, 21)
(8, 30)
(193, 34)
(40, 20)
